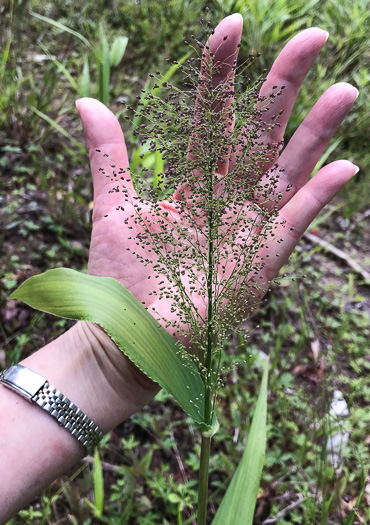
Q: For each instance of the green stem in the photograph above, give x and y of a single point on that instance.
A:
(203, 481)
(210, 219)
(206, 441)
(208, 385)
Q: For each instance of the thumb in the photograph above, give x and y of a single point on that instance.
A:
(107, 150)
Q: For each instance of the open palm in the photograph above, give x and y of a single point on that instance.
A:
(113, 239)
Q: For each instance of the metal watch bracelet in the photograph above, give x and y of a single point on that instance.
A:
(37, 389)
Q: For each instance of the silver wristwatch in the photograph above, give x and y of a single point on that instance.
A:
(37, 389)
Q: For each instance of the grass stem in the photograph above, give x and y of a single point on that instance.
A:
(203, 480)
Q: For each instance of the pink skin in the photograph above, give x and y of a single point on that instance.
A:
(109, 255)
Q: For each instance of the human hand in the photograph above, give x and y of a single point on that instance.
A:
(111, 249)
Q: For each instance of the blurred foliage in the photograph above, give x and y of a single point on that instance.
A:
(155, 31)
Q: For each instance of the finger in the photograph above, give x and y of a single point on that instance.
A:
(295, 217)
(107, 152)
(311, 139)
(289, 70)
(223, 46)
(218, 68)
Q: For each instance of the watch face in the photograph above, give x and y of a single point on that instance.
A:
(22, 380)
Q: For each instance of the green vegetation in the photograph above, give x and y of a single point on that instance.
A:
(315, 329)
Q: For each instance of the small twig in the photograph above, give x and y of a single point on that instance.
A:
(105, 465)
(310, 314)
(55, 511)
(360, 217)
(285, 511)
(338, 253)
(283, 477)
(178, 457)
(212, 508)
(11, 337)
(236, 435)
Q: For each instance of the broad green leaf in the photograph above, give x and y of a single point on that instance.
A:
(137, 163)
(104, 301)
(238, 504)
(117, 50)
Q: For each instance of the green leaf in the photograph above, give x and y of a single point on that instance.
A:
(136, 161)
(354, 513)
(61, 27)
(58, 128)
(117, 50)
(104, 68)
(104, 301)
(238, 504)
(329, 150)
(98, 484)
(158, 170)
(60, 66)
(171, 71)
(84, 82)
(4, 57)
(145, 462)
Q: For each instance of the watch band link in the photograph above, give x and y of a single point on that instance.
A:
(37, 389)
(68, 415)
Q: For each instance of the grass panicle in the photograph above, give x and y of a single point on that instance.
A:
(206, 225)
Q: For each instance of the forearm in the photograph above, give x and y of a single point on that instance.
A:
(85, 366)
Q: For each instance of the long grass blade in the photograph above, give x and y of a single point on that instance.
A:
(61, 27)
(98, 484)
(5, 57)
(238, 504)
(326, 154)
(61, 67)
(104, 68)
(58, 128)
(85, 82)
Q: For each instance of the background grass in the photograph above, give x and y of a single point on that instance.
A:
(316, 329)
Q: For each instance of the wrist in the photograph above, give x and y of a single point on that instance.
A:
(124, 389)
(88, 368)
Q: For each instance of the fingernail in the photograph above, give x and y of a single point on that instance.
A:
(327, 35)
(357, 92)
(76, 104)
(357, 169)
